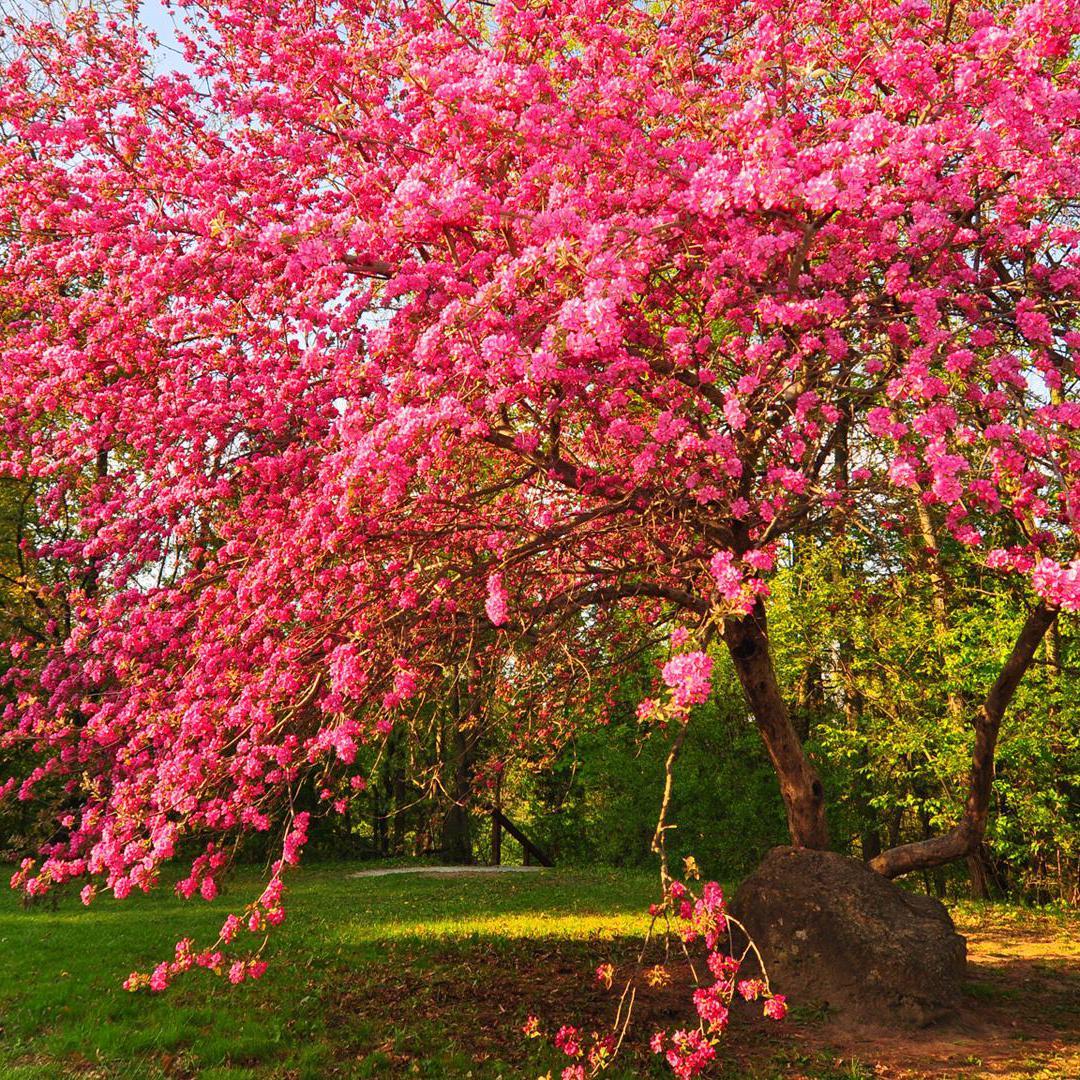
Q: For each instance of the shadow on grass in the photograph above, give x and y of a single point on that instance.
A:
(63, 1011)
(432, 976)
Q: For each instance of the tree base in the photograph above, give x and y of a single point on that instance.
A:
(833, 932)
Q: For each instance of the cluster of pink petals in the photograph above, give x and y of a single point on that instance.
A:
(689, 676)
(688, 1053)
(187, 959)
(1058, 585)
(568, 1040)
(497, 603)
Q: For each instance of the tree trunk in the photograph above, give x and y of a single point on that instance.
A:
(978, 878)
(457, 835)
(496, 825)
(965, 838)
(870, 824)
(809, 699)
(939, 592)
(747, 639)
(382, 846)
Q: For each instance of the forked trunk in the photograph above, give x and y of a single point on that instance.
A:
(747, 640)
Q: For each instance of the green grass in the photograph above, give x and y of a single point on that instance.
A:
(428, 976)
(349, 991)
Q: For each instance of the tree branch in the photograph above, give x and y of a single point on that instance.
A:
(964, 838)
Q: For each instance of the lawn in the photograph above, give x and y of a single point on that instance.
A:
(346, 990)
(418, 975)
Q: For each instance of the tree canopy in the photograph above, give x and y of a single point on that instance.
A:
(391, 351)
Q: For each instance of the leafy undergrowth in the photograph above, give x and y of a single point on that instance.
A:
(429, 976)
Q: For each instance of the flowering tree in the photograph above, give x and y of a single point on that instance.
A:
(394, 342)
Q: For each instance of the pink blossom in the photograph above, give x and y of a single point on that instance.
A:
(690, 1053)
(568, 1040)
(711, 1006)
(752, 989)
(776, 1007)
(727, 576)
(689, 676)
(230, 927)
(497, 604)
(1057, 584)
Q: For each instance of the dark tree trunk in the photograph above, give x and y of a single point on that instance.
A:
(809, 699)
(397, 789)
(496, 825)
(400, 799)
(747, 640)
(457, 841)
(382, 845)
(939, 590)
(978, 876)
(967, 835)
(870, 841)
(457, 833)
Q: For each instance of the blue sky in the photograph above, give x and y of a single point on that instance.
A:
(157, 18)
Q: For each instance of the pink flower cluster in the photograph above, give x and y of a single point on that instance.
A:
(1058, 585)
(735, 589)
(688, 1053)
(568, 1040)
(497, 603)
(704, 918)
(689, 675)
(185, 960)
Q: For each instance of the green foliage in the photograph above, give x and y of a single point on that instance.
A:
(899, 675)
(599, 803)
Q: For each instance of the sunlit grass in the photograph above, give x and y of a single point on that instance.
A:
(513, 927)
(379, 977)
(63, 1010)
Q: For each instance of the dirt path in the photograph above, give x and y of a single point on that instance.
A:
(1019, 1017)
(453, 870)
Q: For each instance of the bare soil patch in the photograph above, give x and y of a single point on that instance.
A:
(1019, 1015)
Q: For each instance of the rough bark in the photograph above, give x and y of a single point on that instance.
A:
(978, 875)
(461, 749)
(964, 838)
(457, 834)
(747, 640)
(809, 699)
(939, 590)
